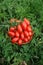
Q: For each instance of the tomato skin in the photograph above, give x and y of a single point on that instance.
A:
(25, 39)
(30, 33)
(29, 38)
(14, 40)
(11, 34)
(26, 33)
(22, 35)
(19, 28)
(26, 21)
(17, 34)
(29, 29)
(11, 28)
(24, 26)
(19, 42)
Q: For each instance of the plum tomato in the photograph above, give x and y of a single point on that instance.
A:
(19, 28)
(20, 42)
(22, 35)
(26, 33)
(26, 21)
(14, 40)
(17, 34)
(24, 26)
(11, 34)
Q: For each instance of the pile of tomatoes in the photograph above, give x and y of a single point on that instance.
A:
(22, 33)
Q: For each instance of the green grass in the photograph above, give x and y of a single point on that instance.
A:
(31, 53)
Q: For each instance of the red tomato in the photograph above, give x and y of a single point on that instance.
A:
(24, 26)
(17, 34)
(30, 33)
(26, 33)
(25, 39)
(29, 38)
(26, 21)
(19, 42)
(19, 28)
(11, 28)
(14, 40)
(29, 29)
(11, 34)
(22, 36)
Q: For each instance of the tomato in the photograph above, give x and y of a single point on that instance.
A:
(11, 28)
(26, 21)
(19, 28)
(29, 29)
(25, 39)
(24, 26)
(29, 38)
(22, 35)
(14, 40)
(19, 42)
(30, 33)
(11, 34)
(26, 33)
(17, 34)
